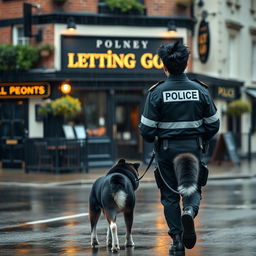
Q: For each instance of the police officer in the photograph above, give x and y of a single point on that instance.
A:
(179, 113)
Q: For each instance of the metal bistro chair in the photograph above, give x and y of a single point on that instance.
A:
(45, 159)
(72, 159)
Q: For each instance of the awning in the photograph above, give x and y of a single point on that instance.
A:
(251, 92)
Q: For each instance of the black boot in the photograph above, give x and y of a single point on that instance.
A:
(189, 234)
(177, 248)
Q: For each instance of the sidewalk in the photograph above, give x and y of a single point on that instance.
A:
(19, 177)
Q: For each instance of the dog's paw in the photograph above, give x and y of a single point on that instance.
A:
(94, 242)
(115, 248)
(109, 243)
(129, 243)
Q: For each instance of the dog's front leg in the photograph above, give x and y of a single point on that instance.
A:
(128, 217)
(109, 237)
(115, 242)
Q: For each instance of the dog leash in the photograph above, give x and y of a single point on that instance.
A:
(149, 164)
(165, 182)
(160, 173)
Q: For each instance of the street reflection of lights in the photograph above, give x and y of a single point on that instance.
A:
(70, 247)
(162, 240)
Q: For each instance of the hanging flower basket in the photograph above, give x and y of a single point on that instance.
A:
(238, 107)
(45, 49)
(66, 106)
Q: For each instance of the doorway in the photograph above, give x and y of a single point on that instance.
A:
(126, 121)
(13, 129)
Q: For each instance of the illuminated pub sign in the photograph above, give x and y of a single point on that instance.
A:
(203, 41)
(228, 93)
(111, 54)
(24, 90)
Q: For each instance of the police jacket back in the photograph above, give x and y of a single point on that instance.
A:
(178, 107)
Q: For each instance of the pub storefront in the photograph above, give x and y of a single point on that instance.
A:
(110, 76)
(14, 119)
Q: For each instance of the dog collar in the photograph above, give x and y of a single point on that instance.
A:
(127, 172)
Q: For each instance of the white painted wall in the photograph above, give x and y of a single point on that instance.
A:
(218, 61)
(35, 128)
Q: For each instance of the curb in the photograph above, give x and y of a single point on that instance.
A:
(91, 181)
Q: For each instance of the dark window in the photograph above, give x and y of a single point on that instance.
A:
(95, 111)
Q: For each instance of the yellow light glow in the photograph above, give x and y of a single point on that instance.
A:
(65, 88)
(170, 34)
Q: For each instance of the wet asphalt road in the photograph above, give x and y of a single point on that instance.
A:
(37, 221)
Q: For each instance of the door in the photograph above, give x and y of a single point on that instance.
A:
(126, 133)
(13, 126)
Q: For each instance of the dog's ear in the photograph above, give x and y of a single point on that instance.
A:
(121, 161)
(136, 165)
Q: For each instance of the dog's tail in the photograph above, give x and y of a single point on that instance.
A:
(186, 168)
(117, 186)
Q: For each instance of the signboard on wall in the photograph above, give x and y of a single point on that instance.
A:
(227, 92)
(111, 54)
(203, 41)
(25, 90)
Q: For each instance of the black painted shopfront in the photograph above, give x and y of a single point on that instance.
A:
(113, 75)
(110, 76)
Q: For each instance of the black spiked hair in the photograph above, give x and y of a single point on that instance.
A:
(174, 56)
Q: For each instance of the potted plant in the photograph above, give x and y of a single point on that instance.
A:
(125, 6)
(45, 49)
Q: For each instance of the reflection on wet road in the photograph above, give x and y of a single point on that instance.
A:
(54, 221)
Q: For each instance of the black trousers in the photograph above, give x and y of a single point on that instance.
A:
(165, 153)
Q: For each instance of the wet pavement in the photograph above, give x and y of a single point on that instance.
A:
(53, 220)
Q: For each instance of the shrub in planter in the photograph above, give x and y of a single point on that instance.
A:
(125, 5)
(8, 56)
(27, 56)
(17, 57)
(238, 107)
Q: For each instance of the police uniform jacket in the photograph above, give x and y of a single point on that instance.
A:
(178, 107)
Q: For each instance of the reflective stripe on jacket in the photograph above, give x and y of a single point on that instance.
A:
(179, 107)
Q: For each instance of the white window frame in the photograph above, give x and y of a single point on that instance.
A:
(253, 5)
(18, 40)
(253, 61)
(233, 54)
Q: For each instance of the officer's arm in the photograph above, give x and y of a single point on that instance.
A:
(211, 120)
(149, 119)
